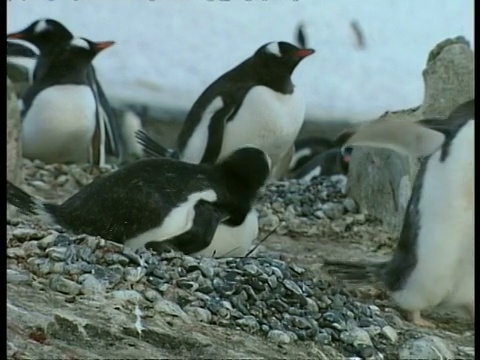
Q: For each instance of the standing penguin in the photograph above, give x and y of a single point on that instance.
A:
(197, 208)
(49, 36)
(254, 103)
(59, 109)
(433, 262)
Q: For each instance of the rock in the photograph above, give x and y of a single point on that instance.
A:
(126, 295)
(17, 277)
(65, 286)
(278, 337)
(199, 314)
(380, 180)
(449, 77)
(91, 285)
(14, 131)
(356, 337)
(170, 308)
(427, 347)
(390, 333)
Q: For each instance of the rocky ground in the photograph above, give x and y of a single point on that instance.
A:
(73, 297)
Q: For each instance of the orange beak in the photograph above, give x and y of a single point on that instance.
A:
(18, 35)
(304, 53)
(99, 46)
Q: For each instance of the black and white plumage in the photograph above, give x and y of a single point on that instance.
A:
(49, 36)
(254, 103)
(316, 155)
(433, 263)
(59, 109)
(327, 163)
(164, 202)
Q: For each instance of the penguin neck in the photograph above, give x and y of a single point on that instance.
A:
(60, 75)
(277, 80)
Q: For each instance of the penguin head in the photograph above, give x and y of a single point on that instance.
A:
(81, 50)
(44, 33)
(280, 57)
(249, 164)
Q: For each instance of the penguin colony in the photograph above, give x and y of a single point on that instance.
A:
(240, 133)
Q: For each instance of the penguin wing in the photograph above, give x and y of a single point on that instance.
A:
(206, 220)
(232, 98)
(399, 135)
(106, 115)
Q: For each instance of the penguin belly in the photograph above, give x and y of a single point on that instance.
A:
(60, 124)
(231, 241)
(444, 273)
(266, 119)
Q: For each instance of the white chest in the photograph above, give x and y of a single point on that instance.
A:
(266, 119)
(445, 243)
(233, 241)
(60, 124)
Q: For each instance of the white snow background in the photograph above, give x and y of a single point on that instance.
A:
(168, 51)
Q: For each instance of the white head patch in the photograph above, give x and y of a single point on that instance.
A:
(41, 26)
(79, 42)
(274, 49)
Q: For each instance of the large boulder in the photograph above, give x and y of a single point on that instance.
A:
(14, 145)
(380, 180)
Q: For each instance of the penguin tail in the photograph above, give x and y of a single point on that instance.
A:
(356, 271)
(151, 148)
(28, 204)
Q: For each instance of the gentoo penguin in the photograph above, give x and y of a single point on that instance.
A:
(159, 202)
(308, 159)
(59, 122)
(254, 103)
(327, 163)
(49, 36)
(433, 263)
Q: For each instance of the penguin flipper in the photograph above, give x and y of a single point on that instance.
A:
(151, 148)
(199, 236)
(216, 130)
(106, 115)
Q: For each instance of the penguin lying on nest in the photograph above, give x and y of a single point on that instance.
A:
(164, 203)
(433, 263)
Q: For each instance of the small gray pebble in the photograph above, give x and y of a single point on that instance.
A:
(278, 337)
(65, 286)
(168, 307)
(56, 253)
(126, 295)
(91, 285)
(17, 277)
(199, 314)
(248, 322)
(427, 347)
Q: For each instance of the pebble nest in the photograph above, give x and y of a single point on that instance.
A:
(260, 295)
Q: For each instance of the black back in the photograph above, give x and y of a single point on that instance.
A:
(263, 68)
(138, 196)
(405, 256)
